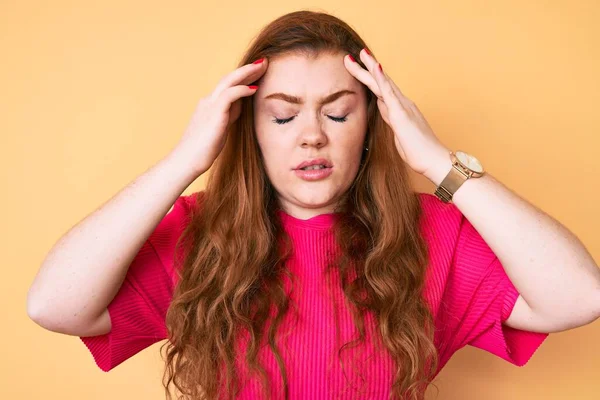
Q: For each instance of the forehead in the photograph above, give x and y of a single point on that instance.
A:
(301, 75)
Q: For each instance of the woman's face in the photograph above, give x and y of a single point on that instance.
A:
(306, 109)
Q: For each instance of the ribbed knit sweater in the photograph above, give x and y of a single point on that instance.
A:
(468, 291)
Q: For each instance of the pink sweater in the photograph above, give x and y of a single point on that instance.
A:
(467, 287)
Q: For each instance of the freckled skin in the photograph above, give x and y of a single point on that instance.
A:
(311, 133)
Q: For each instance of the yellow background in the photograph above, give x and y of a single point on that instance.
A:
(93, 93)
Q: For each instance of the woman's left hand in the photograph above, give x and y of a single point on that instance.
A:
(417, 144)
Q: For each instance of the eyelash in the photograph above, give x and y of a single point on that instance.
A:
(285, 121)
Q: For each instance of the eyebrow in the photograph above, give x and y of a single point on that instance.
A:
(297, 100)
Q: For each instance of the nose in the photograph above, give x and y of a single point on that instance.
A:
(312, 133)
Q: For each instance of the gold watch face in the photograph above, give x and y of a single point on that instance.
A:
(470, 161)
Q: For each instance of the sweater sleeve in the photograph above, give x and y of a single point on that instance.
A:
(138, 310)
(479, 297)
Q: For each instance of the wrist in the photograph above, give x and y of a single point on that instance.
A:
(439, 169)
(181, 167)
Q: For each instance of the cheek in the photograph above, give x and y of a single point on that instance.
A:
(274, 158)
(353, 144)
(263, 137)
(273, 144)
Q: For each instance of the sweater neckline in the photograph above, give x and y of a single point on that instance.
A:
(319, 222)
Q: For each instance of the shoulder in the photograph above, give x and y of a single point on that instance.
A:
(186, 203)
(439, 220)
(165, 237)
(455, 247)
(189, 201)
(432, 203)
(446, 231)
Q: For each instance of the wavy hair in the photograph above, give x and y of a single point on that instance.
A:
(235, 246)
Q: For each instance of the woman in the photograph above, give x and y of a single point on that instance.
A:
(341, 282)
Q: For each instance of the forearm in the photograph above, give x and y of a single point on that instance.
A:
(548, 264)
(85, 268)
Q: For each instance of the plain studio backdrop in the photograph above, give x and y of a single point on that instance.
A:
(93, 93)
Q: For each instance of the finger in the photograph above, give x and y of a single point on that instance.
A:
(369, 61)
(390, 94)
(229, 95)
(243, 75)
(396, 88)
(405, 101)
(372, 65)
(362, 75)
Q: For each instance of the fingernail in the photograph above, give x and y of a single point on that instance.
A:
(367, 51)
(253, 86)
(259, 61)
(351, 58)
(380, 67)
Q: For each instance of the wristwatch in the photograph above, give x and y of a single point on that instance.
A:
(464, 166)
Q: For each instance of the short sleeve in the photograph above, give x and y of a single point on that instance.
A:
(138, 310)
(479, 297)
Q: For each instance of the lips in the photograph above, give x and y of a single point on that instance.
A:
(317, 161)
(314, 175)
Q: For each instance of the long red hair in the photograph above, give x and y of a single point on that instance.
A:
(232, 272)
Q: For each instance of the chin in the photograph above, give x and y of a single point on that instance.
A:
(313, 199)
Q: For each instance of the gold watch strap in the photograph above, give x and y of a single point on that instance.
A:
(455, 178)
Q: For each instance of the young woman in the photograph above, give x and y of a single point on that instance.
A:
(309, 268)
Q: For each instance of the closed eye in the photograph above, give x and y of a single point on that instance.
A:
(338, 119)
(285, 121)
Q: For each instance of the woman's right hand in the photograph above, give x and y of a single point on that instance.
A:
(205, 135)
